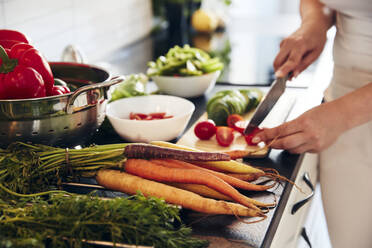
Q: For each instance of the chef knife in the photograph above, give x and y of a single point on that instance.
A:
(267, 103)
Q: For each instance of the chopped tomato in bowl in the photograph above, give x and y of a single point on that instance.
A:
(150, 116)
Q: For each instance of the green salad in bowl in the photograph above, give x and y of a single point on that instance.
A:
(185, 71)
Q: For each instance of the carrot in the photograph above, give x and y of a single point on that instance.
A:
(150, 170)
(201, 190)
(227, 166)
(130, 184)
(175, 146)
(246, 177)
(235, 154)
(230, 180)
(152, 151)
(231, 166)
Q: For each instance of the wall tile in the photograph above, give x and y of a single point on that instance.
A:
(46, 26)
(2, 14)
(97, 27)
(19, 11)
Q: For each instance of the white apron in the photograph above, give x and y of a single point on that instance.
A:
(346, 167)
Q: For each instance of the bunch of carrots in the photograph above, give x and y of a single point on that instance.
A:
(205, 182)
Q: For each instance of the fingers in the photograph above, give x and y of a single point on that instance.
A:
(281, 58)
(302, 149)
(294, 143)
(307, 60)
(292, 62)
(283, 130)
(289, 142)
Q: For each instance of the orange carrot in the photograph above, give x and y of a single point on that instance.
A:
(150, 170)
(201, 190)
(235, 154)
(230, 180)
(130, 184)
(246, 177)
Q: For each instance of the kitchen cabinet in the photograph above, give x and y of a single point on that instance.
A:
(294, 214)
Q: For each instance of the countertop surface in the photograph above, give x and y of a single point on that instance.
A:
(229, 231)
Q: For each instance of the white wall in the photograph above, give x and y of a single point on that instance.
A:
(96, 27)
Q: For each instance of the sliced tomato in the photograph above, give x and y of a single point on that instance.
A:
(232, 119)
(157, 115)
(204, 130)
(137, 116)
(240, 126)
(224, 135)
(248, 137)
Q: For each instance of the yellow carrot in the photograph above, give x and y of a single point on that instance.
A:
(231, 166)
(175, 146)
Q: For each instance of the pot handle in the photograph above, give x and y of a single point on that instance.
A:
(79, 91)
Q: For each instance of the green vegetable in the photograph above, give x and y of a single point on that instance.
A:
(227, 102)
(29, 169)
(134, 85)
(184, 61)
(71, 220)
(27, 220)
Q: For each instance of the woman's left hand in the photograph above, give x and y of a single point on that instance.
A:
(313, 131)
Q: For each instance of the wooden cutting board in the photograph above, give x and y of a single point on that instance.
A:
(277, 116)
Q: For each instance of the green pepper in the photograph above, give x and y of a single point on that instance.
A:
(184, 61)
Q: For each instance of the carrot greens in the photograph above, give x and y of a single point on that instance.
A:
(28, 169)
(73, 220)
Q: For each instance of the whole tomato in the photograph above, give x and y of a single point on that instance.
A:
(205, 130)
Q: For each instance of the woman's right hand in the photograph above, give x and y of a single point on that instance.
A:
(300, 49)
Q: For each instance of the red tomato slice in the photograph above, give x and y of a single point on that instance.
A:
(248, 137)
(137, 116)
(232, 119)
(157, 115)
(240, 126)
(204, 130)
(224, 135)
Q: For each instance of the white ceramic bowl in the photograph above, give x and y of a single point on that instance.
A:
(150, 130)
(186, 86)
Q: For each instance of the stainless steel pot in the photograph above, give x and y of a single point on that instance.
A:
(64, 120)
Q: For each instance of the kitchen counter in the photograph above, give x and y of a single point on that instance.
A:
(228, 231)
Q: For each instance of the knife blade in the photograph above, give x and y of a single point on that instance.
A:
(264, 108)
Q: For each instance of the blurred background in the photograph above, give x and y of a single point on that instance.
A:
(124, 35)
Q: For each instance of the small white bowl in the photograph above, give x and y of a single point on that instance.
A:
(192, 86)
(150, 130)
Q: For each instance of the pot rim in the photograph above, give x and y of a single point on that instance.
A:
(58, 96)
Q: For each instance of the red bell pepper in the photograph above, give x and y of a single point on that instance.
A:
(10, 37)
(6, 34)
(28, 56)
(18, 81)
(18, 49)
(60, 90)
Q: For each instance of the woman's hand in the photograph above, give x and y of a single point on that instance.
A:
(313, 131)
(300, 49)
